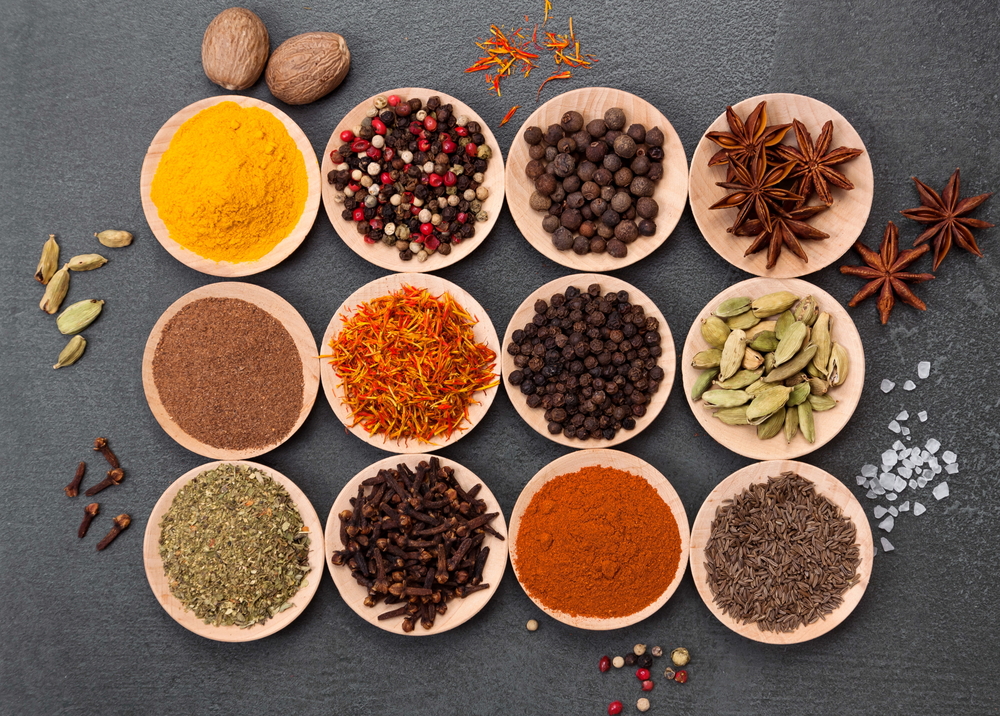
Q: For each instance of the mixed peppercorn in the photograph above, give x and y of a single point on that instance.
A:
(642, 658)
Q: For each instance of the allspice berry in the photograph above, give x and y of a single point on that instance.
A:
(598, 245)
(581, 245)
(647, 207)
(562, 239)
(550, 223)
(614, 118)
(624, 146)
(597, 128)
(553, 134)
(545, 184)
(637, 132)
(641, 186)
(617, 249)
(539, 202)
(534, 169)
(654, 137)
(621, 202)
(647, 227)
(572, 121)
(533, 135)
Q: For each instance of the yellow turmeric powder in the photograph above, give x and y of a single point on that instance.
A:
(232, 184)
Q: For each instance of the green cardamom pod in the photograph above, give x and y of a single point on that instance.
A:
(742, 379)
(49, 261)
(773, 303)
(785, 320)
(725, 398)
(761, 327)
(707, 359)
(818, 386)
(772, 426)
(768, 402)
(733, 416)
(799, 393)
(78, 316)
(715, 331)
(55, 290)
(702, 382)
(72, 352)
(805, 310)
(733, 307)
(806, 423)
(86, 262)
(820, 403)
(796, 379)
(768, 363)
(791, 342)
(791, 423)
(758, 386)
(752, 360)
(813, 372)
(114, 239)
(765, 341)
(821, 337)
(732, 354)
(742, 321)
(800, 361)
(838, 366)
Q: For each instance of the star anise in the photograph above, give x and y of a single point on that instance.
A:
(944, 213)
(755, 189)
(788, 228)
(815, 161)
(885, 273)
(744, 138)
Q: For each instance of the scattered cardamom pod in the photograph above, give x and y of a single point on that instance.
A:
(72, 352)
(86, 262)
(114, 239)
(806, 423)
(839, 364)
(55, 290)
(733, 307)
(702, 382)
(715, 331)
(772, 426)
(707, 359)
(732, 354)
(78, 316)
(49, 261)
(791, 423)
(773, 303)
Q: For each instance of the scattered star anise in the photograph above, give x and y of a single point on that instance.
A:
(743, 139)
(788, 228)
(885, 273)
(944, 213)
(814, 172)
(755, 189)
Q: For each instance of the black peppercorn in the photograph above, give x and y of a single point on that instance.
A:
(630, 659)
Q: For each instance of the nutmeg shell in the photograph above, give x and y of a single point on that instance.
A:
(307, 67)
(234, 48)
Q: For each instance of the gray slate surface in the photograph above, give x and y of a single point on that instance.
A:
(83, 89)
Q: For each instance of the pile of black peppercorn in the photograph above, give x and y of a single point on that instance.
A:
(595, 182)
(589, 361)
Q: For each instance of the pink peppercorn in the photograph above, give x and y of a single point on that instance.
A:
(427, 229)
(614, 708)
(430, 124)
(471, 149)
(393, 100)
(360, 145)
(642, 674)
(448, 146)
(647, 685)
(359, 214)
(423, 145)
(604, 664)
(435, 180)
(373, 152)
(388, 153)
(432, 242)
(347, 136)
(450, 179)
(461, 131)
(385, 178)
(378, 126)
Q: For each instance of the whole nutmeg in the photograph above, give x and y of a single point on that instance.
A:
(571, 121)
(234, 49)
(307, 67)
(624, 146)
(614, 118)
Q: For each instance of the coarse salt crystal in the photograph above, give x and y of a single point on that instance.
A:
(890, 496)
(893, 511)
(879, 512)
(869, 471)
(917, 461)
(922, 481)
(949, 457)
(898, 446)
(905, 472)
(941, 491)
(906, 432)
(936, 469)
(903, 416)
(923, 369)
(894, 426)
(914, 484)
(887, 524)
(887, 480)
(923, 416)
(909, 385)
(877, 488)
(889, 458)
(905, 507)
(907, 463)
(900, 485)
(918, 509)
(932, 446)
(952, 468)
(887, 545)
(871, 495)
(887, 385)
(861, 480)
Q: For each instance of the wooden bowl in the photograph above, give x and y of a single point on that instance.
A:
(593, 102)
(843, 221)
(618, 460)
(266, 300)
(743, 439)
(459, 610)
(160, 584)
(483, 332)
(535, 417)
(826, 485)
(384, 256)
(284, 248)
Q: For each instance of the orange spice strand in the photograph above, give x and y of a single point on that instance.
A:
(565, 75)
(409, 365)
(510, 113)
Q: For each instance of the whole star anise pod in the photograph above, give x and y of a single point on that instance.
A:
(814, 161)
(744, 138)
(944, 213)
(788, 228)
(885, 273)
(755, 189)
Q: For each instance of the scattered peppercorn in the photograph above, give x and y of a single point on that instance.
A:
(604, 664)
(642, 674)
(657, 651)
(532, 625)
(680, 656)
(645, 661)
(630, 659)
(639, 649)
(642, 704)
(618, 662)
(647, 685)
(681, 677)
(615, 707)
(669, 673)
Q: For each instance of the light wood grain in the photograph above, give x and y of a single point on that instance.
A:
(535, 417)
(592, 103)
(843, 221)
(382, 255)
(459, 610)
(267, 301)
(159, 582)
(826, 485)
(284, 248)
(574, 462)
(743, 439)
(483, 332)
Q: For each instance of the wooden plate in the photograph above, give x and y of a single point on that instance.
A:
(284, 248)
(158, 578)
(826, 485)
(483, 332)
(592, 103)
(459, 610)
(266, 300)
(843, 221)
(618, 460)
(742, 439)
(388, 258)
(535, 417)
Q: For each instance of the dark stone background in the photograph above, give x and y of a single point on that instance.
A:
(84, 87)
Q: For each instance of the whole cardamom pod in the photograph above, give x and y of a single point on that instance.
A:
(733, 416)
(772, 426)
(790, 343)
(839, 364)
(806, 423)
(742, 379)
(773, 303)
(725, 398)
(55, 290)
(743, 321)
(733, 307)
(765, 341)
(732, 354)
(799, 393)
(821, 337)
(752, 360)
(768, 402)
(72, 352)
(791, 423)
(800, 361)
(785, 320)
(820, 403)
(78, 316)
(114, 239)
(49, 261)
(805, 310)
(702, 382)
(761, 327)
(715, 331)
(86, 262)
(707, 359)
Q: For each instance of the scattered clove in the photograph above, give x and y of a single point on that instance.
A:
(120, 523)
(89, 513)
(114, 478)
(101, 445)
(73, 488)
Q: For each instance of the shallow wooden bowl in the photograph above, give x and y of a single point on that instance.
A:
(535, 417)
(159, 582)
(618, 460)
(266, 300)
(483, 332)
(826, 485)
(382, 255)
(459, 610)
(284, 248)
(843, 221)
(592, 103)
(742, 439)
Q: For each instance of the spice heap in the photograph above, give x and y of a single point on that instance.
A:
(773, 374)
(409, 365)
(232, 184)
(234, 547)
(780, 555)
(415, 538)
(229, 374)
(411, 176)
(772, 182)
(598, 543)
(595, 181)
(589, 361)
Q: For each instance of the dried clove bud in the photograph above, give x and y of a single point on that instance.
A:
(89, 513)
(114, 477)
(121, 522)
(73, 488)
(101, 445)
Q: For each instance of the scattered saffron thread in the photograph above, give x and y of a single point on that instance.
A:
(510, 113)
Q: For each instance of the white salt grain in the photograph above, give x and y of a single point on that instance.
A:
(861, 480)
(878, 489)
(941, 491)
(909, 385)
(949, 457)
(890, 496)
(905, 507)
(871, 495)
(905, 472)
(887, 545)
(923, 369)
(894, 426)
(887, 385)
(898, 446)
(923, 416)
(922, 482)
(906, 432)
(869, 471)
(936, 469)
(900, 485)
(903, 416)
(879, 512)
(932, 446)
(887, 524)
(889, 458)
(887, 480)
(893, 511)
(918, 509)
(952, 468)
(913, 484)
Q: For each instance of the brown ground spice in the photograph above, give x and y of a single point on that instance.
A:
(229, 374)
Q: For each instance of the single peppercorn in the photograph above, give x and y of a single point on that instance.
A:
(604, 664)
(642, 674)
(647, 685)
(630, 659)
(681, 677)
(644, 660)
(642, 704)
(532, 625)
(656, 651)
(614, 708)
(680, 656)
(669, 673)
(618, 662)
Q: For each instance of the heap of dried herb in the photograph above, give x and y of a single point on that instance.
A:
(234, 547)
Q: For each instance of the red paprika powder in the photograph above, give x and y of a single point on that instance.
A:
(597, 543)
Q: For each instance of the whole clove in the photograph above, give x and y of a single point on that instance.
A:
(114, 478)
(101, 445)
(121, 522)
(73, 488)
(89, 513)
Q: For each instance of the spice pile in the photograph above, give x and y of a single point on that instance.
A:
(643, 658)
(415, 538)
(411, 175)
(598, 543)
(234, 547)
(595, 181)
(773, 374)
(780, 555)
(114, 477)
(409, 365)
